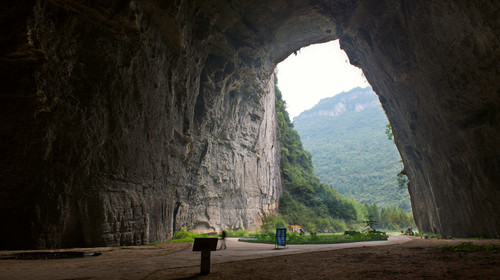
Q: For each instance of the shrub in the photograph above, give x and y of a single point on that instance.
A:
(295, 238)
(236, 233)
(186, 236)
(352, 233)
(376, 235)
(313, 236)
(467, 247)
(272, 222)
(491, 247)
(266, 236)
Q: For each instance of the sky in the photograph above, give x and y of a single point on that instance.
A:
(316, 72)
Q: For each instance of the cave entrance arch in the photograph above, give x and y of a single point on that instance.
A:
(153, 104)
(345, 133)
(419, 63)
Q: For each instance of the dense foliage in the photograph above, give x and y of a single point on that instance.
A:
(350, 149)
(314, 205)
(295, 238)
(389, 218)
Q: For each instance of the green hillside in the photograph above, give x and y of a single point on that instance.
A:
(314, 205)
(345, 135)
(305, 200)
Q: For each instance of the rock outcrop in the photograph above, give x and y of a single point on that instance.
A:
(355, 100)
(123, 121)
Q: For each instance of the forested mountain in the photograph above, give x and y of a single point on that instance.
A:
(314, 205)
(305, 200)
(345, 135)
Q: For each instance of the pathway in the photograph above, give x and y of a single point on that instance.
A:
(138, 262)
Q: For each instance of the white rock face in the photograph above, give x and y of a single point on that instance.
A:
(340, 104)
(239, 175)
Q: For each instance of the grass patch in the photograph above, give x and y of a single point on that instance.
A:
(294, 238)
(238, 233)
(187, 236)
(184, 236)
(469, 247)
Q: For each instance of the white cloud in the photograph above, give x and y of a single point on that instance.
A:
(316, 72)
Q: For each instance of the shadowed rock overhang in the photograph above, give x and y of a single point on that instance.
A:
(124, 121)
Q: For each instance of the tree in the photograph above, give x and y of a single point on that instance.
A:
(370, 223)
(388, 132)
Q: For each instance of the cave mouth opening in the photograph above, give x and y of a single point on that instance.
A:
(315, 72)
(146, 66)
(321, 72)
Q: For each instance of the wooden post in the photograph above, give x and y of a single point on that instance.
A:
(205, 262)
(205, 245)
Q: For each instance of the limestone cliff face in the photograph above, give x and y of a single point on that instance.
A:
(435, 68)
(355, 100)
(123, 121)
(135, 127)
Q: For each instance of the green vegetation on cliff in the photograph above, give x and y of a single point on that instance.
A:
(313, 205)
(305, 201)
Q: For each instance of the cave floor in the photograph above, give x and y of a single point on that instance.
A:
(399, 258)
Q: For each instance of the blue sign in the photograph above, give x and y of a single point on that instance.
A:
(281, 237)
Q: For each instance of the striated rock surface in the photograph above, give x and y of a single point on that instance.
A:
(123, 121)
(435, 68)
(131, 125)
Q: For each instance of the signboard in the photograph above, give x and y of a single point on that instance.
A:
(205, 245)
(281, 237)
(202, 244)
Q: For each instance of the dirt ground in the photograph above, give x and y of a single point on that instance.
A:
(417, 259)
(413, 259)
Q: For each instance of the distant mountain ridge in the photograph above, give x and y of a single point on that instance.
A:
(345, 135)
(356, 100)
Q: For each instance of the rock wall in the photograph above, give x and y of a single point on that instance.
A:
(126, 124)
(434, 65)
(123, 121)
